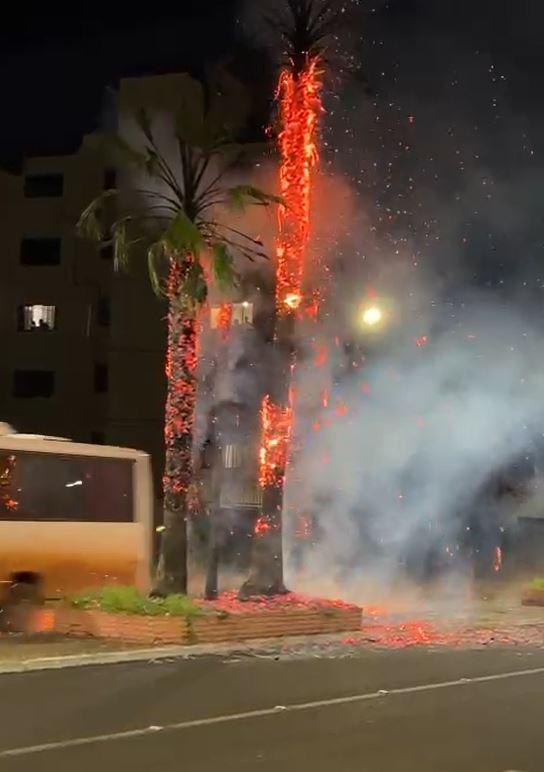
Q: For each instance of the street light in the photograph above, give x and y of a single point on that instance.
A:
(371, 316)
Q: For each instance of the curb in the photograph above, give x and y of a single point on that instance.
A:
(253, 647)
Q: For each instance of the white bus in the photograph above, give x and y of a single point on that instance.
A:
(73, 516)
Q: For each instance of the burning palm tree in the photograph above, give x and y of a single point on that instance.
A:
(305, 27)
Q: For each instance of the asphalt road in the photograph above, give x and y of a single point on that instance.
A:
(378, 711)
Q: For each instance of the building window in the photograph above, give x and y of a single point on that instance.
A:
(232, 456)
(42, 251)
(36, 317)
(240, 314)
(106, 252)
(110, 179)
(44, 185)
(28, 384)
(103, 311)
(101, 378)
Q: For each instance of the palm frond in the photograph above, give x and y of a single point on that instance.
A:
(194, 288)
(182, 235)
(120, 245)
(240, 197)
(155, 254)
(223, 270)
(90, 224)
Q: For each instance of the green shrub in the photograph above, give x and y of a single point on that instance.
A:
(537, 584)
(129, 600)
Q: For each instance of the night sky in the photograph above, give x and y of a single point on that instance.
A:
(55, 66)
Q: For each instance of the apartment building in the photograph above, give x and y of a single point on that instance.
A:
(55, 300)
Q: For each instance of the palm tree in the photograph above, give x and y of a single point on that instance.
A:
(304, 28)
(177, 220)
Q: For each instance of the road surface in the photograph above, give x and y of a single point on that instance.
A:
(377, 711)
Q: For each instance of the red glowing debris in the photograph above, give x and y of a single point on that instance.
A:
(321, 354)
(262, 526)
(275, 435)
(299, 98)
(181, 363)
(224, 319)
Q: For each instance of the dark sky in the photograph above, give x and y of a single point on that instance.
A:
(54, 66)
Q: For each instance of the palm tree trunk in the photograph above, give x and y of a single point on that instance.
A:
(212, 569)
(181, 364)
(266, 569)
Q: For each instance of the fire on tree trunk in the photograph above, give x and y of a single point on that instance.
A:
(266, 574)
(181, 364)
(299, 108)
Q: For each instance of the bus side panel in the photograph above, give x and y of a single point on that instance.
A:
(71, 556)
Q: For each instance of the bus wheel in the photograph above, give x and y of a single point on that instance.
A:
(21, 598)
(25, 587)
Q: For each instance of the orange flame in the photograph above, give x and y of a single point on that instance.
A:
(262, 526)
(275, 435)
(300, 105)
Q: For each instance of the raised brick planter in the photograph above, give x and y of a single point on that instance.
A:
(211, 627)
(133, 628)
(532, 597)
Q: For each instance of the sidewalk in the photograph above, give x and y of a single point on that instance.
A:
(494, 621)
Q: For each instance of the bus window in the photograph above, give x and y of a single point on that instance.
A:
(47, 486)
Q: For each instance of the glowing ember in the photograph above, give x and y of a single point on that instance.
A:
(299, 97)
(224, 319)
(228, 601)
(262, 526)
(181, 363)
(275, 434)
(293, 300)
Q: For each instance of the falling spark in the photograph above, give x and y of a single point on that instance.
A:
(497, 560)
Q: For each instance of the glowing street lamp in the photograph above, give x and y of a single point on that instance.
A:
(372, 316)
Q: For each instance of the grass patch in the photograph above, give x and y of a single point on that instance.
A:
(537, 584)
(129, 600)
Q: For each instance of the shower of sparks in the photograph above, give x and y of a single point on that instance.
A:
(276, 424)
(299, 98)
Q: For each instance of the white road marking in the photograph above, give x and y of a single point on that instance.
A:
(262, 713)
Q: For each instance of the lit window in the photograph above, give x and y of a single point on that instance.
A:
(37, 317)
(241, 314)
